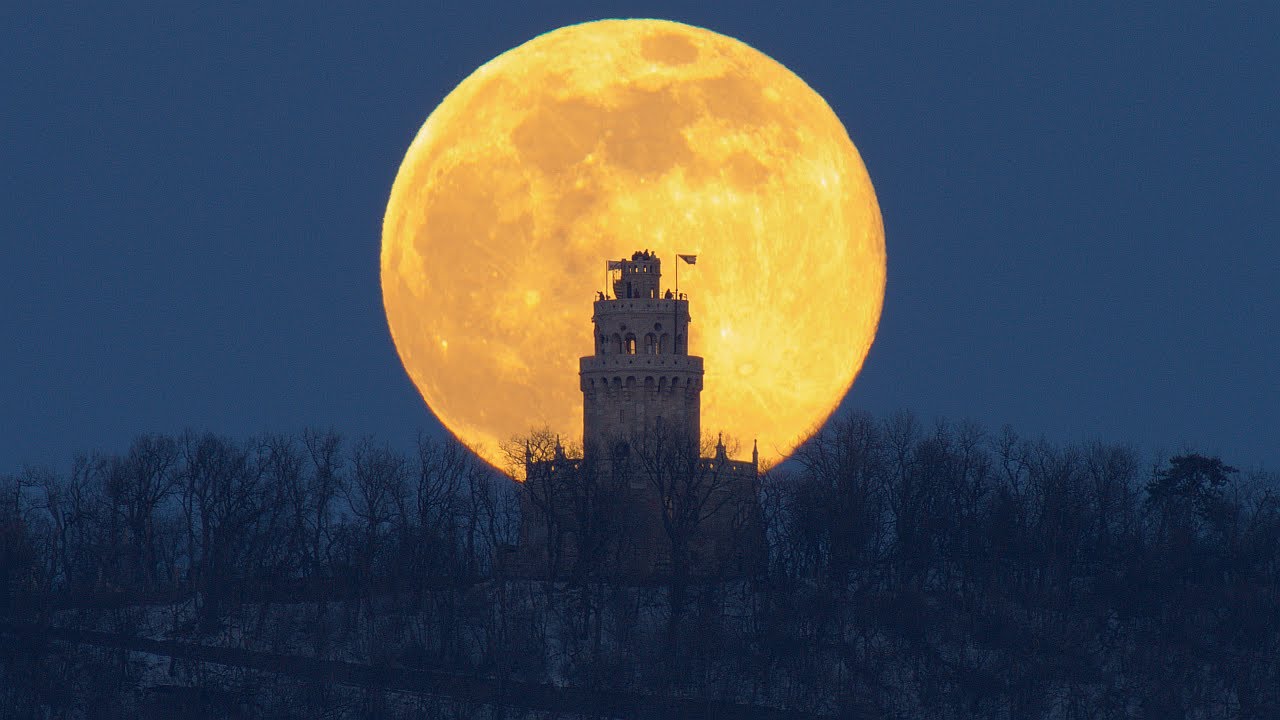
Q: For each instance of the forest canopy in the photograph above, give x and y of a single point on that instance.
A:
(913, 570)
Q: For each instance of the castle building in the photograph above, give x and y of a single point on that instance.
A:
(641, 501)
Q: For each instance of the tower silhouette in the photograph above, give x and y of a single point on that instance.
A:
(641, 378)
(641, 501)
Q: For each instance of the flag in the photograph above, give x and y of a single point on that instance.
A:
(691, 259)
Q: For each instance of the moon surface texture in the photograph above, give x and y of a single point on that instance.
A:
(593, 141)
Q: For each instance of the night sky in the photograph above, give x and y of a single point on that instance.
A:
(1080, 211)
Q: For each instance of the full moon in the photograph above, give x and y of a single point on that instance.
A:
(593, 141)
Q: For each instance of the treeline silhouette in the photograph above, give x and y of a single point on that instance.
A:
(914, 571)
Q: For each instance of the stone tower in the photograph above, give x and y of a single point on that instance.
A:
(641, 377)
(641, 501)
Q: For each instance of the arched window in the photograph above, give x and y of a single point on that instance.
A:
(650, 344)
(629, 344)
(664, 344)
(604, 345)
(617, 344)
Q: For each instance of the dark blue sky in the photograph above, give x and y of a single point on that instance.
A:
(1080, 210)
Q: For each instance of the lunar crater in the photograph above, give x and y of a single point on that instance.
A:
(669, 49)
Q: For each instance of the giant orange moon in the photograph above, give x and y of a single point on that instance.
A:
(596, 140)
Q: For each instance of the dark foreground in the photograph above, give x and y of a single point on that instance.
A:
(496, 697)
(913, 572)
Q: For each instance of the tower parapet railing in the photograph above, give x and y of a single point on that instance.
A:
(653, 361)
(602, 296)
(640, 304)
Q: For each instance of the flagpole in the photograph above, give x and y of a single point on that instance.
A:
(675, 309)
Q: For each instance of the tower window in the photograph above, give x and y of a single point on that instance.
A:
(630, 344)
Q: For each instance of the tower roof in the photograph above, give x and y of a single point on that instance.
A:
(639, 277)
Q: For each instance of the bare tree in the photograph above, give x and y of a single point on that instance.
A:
(842, 501)
(19, 557)
(324, 481)
(492, 514)
(375, 494)
(137, 485)
(440, 472)
(540, 462)
(224, 497)
(1111, 472)
(281, 527)
(688, 491)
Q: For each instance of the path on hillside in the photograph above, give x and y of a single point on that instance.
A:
(527, 696)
